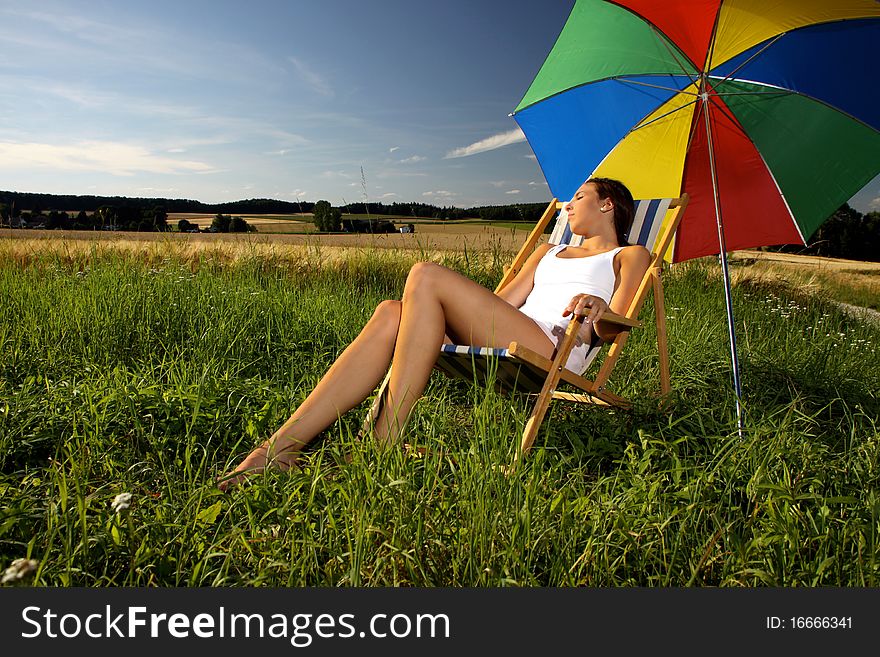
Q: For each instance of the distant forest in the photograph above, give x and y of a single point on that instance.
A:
(846, 234)
(18, 202)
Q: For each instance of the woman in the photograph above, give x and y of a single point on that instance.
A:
(555, 283)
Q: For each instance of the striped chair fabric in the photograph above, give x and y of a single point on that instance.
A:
(485, 364)
(649, 215)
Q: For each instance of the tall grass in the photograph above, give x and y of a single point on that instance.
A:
(153, 375)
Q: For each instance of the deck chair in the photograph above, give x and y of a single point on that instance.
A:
(519, 369)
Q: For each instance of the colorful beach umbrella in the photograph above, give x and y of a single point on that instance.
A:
(766, 112)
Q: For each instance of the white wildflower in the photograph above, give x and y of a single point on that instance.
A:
(121, 502)
(18, 569)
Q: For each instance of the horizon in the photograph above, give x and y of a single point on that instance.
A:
(297, 102)
(351, 204)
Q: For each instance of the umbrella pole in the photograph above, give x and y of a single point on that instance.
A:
(734, 359)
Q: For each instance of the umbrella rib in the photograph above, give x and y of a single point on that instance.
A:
(618, 78)
(781, 195)
(657, 86)
(707, 62)
(782, 91)
(750, 59)
(756, 83)
(640, 125)
(665, 43)
(726, 112)
(694, 124)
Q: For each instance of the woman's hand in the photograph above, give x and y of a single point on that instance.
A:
(588, 305)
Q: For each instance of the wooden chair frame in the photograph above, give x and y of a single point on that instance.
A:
(595, 391)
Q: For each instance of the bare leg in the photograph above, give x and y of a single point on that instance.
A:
(437, 300)
(350, 380)
(437, 304)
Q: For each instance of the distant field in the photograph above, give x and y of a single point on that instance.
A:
(302, 223)
(847, 281)
(265, 223)
(435, 236)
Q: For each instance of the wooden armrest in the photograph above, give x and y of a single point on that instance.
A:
(614, 318)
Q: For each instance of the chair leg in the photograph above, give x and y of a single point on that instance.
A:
(533, 424)
(611, 360)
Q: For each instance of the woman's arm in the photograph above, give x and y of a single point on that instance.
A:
(518, 289)
(630, 266)
(633, 261)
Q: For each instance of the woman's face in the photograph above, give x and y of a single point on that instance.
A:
(586, 211)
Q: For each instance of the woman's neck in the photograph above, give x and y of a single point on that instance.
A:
(598, 243)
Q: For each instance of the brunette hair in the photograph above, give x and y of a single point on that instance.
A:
(624, 206)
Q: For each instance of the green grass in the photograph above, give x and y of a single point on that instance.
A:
(858, 286)
(517, 225)
(118, 376)
(865, 294)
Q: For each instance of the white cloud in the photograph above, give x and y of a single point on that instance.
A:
(158, 190)
(512, 191)
(296, 194)
(388, 195)
(488, 144)
(400, 174)
(413, 159)
(106, 156)
(440, 193)
(311, 78)
(532, 156)
(874, 203)
(393, 148)
(187, 120)
(283, 151)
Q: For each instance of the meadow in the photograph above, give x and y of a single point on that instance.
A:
(149, 370)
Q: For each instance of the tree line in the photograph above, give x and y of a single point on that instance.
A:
(117, 218)
(846, 234)
(18, 202)
(105, 217)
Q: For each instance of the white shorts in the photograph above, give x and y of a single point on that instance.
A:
(577, 359)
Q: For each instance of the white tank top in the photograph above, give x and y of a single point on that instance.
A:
(557, 280)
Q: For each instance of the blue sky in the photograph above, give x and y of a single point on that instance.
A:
(220, 101)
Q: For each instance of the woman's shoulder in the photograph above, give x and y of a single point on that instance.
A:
(544, 248)
(537, 255)
(635, 252)
(634, 255)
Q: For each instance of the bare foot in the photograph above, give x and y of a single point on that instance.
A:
(258, 461)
